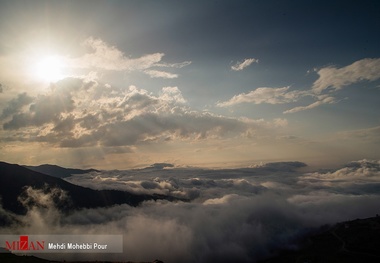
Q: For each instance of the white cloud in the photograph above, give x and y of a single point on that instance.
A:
(172, 94)
(104, 56)
(337, 78)
(324, 100)
(354, 171)
(223, 200)
(161, 74)
(264, 95)
(243, 64)
(359, 177)
(107, 57)
(174, 65)
(329, 77)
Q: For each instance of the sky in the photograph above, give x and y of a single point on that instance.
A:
(125, 84)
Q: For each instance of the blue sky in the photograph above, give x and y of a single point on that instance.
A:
(120, 84)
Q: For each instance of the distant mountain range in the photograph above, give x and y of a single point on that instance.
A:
(15, 178)
(57, 171)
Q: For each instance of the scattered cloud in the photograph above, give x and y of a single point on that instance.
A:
(161, 74)
(329, 77)
(174, 65)
(321, 100)
(107, 57)
(243, 64)
(104, 56)
(336, 78)
(264, 95)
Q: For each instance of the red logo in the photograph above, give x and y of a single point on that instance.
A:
(23, 244)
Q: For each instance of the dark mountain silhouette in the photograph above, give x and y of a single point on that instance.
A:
(8, 257)
(57, 171)
(12, 258)
(352, 241)
(15, 178)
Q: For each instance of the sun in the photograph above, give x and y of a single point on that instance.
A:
(49, 68)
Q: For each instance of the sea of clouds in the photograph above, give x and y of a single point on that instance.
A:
(232, 215)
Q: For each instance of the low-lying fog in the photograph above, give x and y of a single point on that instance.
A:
(237, 215)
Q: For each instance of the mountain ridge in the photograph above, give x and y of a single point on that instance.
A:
(14, 179)
(58, 171)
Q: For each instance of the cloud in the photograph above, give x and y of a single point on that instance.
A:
(174, 181)
(359, 177)
(43, 108)
(264, 95)
(190, 183)
(281, 166)
(161, 165)
(243, 64)
(151, 126)
(107, 57)
(233, 216)
(277, 96)
(322, 100)
(16, 104)
(77, 112)
(364, 135)
(174, 65)
(336, 78)
(329, 77)
(172, 94)
(368, 169)
(161, 74)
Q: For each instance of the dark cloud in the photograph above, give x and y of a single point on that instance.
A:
(90, 121)
(149, 185)
(161, 165)
(65, 125)
(16, 104)
(282, 166)
(369, 165)
(44, 108)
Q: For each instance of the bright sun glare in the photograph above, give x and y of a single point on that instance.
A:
(49, 69)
